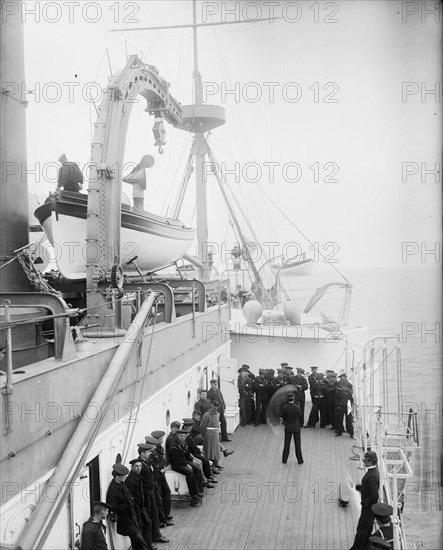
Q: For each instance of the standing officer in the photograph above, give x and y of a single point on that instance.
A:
(300, 382)
(291, 419)
(369, 496)
(245, 393)
(261, 385)
(214, 394)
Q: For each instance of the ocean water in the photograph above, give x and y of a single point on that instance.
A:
(404, 300)
(407, 301)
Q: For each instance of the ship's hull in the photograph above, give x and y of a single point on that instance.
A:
(154, 240)
(148, 398)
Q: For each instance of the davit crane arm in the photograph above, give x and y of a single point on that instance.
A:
(102, 250)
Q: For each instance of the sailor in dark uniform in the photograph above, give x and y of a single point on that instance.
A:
(70, 177)
(369, 495)
(300, 382)
(159, 457)
(343, 394)
(280, 380)
(93, 532)
(261, 385)
(330, 383)
(135, 486)
(270, 375)
(318, 403)
(149, 487)
(312, 378)
(383, 537)
(251, 375)
(244, 384)
(203, 404)
(155, 460)
(122, 503)
(289, 372)
(180, 464)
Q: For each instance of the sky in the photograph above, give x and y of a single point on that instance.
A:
(333, 110)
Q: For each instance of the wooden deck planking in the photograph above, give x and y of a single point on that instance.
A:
(303, 512)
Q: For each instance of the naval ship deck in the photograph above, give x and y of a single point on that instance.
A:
(260, 503)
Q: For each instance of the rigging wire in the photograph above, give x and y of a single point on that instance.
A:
(238, 117)
(300, 232)
(133, 420)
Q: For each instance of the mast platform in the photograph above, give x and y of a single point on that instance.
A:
(260, 503)
(201, 118)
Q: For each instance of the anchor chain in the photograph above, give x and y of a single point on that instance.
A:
(25, 257)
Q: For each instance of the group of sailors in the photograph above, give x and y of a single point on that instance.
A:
(331, 396)
(139, 498)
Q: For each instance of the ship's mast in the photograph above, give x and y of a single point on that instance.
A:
(198, 119)
(14, 215)
(200, 153)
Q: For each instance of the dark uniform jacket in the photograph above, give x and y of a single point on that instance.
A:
(202, 405)
(135, 485)
(311, 380)
(279, 382)
(119, 497)
(382, 538)
(261, 386)
(291, 414)
(148, 480)
(216, 395)
(318, 389)
(157, 461)
(177, 455)
(170, 440)
(191, 447)
(70, 176)
(330, 386)
(245, 387)
(343, 393)
(93, 536)
(300, 383)
(369, 487)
